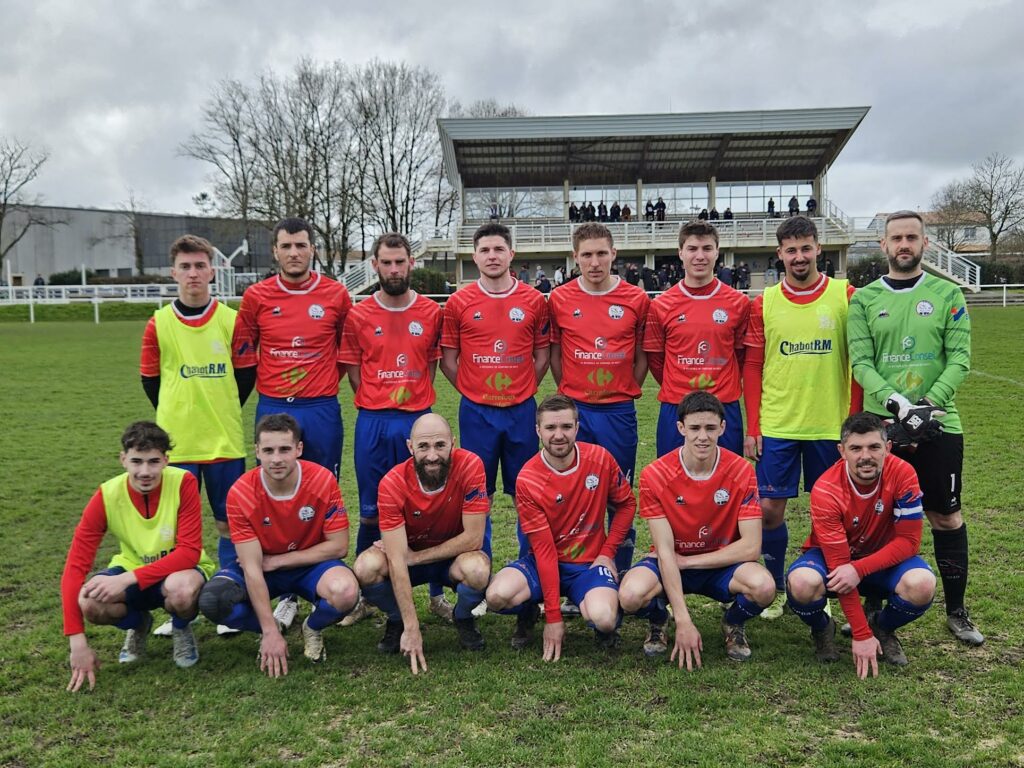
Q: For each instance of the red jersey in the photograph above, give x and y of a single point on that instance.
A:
(291, 333)
(188, 545)
(874, 528)
(299, 521)
(599, 334)
(149, 360)
(433, 517)
(704, 513)
(700, 331)
(393, 349)
(496, 334)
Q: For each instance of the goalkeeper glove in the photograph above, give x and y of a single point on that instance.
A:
(917, 420)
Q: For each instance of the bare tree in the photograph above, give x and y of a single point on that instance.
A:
(996, 192)
(953, 212)
(19, 166)
(127, 214)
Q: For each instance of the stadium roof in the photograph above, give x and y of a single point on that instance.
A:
(590, 150)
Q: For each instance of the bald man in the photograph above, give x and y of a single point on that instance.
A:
(433, 520)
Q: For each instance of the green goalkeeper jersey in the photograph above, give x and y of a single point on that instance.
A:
(915, 341)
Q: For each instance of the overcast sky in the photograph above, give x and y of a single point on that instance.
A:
(112, 88)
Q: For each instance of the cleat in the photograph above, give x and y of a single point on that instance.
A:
(285, 612)
(607, 641)
(570, 610)
(481, 610)
(825, 649)
(655, 643)
(392, 640)
(362, 610)
(892, 650)
(525, 621)
(224, 629)
(469, 636)
(164, 630)
(963, 629)
(736, 646)
(313, 643)
(440, 607)
(776, 609)
(135, 641)
(186, 652)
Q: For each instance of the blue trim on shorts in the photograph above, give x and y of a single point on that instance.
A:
(778, 471)
(505, 435)
(219, 476)
(613, 426)
(320, 419)
(575, 580)
(879, 584)
(668, 437)
(710, 582)
(379, 445)
(300, 581)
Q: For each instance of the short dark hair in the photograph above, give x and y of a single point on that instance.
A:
(592, 230)
(697, 229)
(553, 403)
(794, 227)
(391, 240)
(492, 229)
(145, 436)
(896, 215)
(861, 424)
(278, 422)
(292, 226)
(191, 244)
(700, 402)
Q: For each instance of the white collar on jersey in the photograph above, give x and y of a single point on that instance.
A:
(787, 288)
(396, 309)
(563, 473)
(700, 478)
(288, 497)
(702, 296)
(299, 291)
(856, 490)
(908, 289)
(616, 284)
(499, 294)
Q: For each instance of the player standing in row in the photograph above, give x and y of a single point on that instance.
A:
(597, 331)
(910, 345)
(155, 513)
(433, 521)
(495, 349)
(865, 538)
(700, 503)
(190, 375)
(391, 350)
(289, 327)
(562, 496)
(290, 529)
(797, 386)
(694, 339)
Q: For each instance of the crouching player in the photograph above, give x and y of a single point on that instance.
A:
(433, 516)
(865, 537)
(155, 513)
(290, 529)
(700, 502)
(563, 495)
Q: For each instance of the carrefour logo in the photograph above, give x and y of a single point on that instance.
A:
(499, 382)
(400, 395)
(600, 377)
(208, 371)
(814, 347)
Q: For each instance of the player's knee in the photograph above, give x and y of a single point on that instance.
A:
(917, 586)
(631, 595)
(603, 615)
(181, 597)
(940, 522)
(805, 585)
(219, 597)
(371, 567)
(476, 569)
(501, 593)
(760, 586)
(341, 592)
(93, 611)
(773, 512)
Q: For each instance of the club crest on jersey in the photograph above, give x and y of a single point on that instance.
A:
(721, 497)
(306, 513)
(316, 312)
(499, 346)
(378, 331)
(415, 329)
(924, 308)
(516, 315)
(401, 360)
(591, 482)
(615, 312)
(478, 315)
(720, 316)
(217, 347)
(577, 313)
(879, 507)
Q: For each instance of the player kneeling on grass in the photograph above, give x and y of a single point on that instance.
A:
(701, 505)
(290, 529)
(865, 537)
(562, 496)
(433, 517)
(155, 513)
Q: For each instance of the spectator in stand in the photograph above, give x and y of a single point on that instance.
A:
(728, 214)
(540, 271)
(780, 268)
(659, 209)
(830, 268)
(649, 211)
(650, 279)
(741, 276)
(543, 284)
(574, 212)
(874, 271)
(714, 214)
(794, 206)
(725, 275)
(627, 213)
(39, 282)
(662, 277)
(703, 215)
(616, 211)
(771, 207)
(602, 211)
(632, 275)
(574, 273)
(591, 213)
(524, 273)
(494, 211)
(812, 206)
(559, 276)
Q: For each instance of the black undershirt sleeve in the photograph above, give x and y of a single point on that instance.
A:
(245, 378)
(151, 386)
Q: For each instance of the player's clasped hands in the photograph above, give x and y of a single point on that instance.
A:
(843, 579)
(554, 633)
(411, 645)
(274, 654)
(107, 588)
(688, 645)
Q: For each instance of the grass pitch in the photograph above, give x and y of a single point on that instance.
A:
(68, 389)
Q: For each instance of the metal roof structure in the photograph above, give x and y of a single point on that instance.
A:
(676, 148)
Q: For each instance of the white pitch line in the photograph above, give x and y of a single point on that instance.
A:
(997, 378)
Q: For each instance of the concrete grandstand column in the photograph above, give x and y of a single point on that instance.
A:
(638, 211)
(712, 190)
(565, 199)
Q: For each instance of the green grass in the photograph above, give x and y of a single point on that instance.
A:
(68, 389)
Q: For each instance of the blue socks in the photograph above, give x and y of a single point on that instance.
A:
(226, 554)
(323, 615)
(131, 620)
(383, 596)
(898, 612)
(368, 533)
(741, 610)
(468, 599)
(773, 547)
(812, 614)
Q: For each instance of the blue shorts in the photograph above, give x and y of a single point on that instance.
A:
(289, 581)
(778, 471)
(668, 438)
(879, 584)
(613, 427)
(575, 580)
(438, 572)
(710, 582)
(380, 445)
(320, 420)
(508, 435)
(219, 476)
(148, 599)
